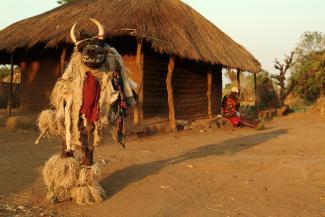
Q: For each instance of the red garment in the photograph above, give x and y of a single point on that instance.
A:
(90, 96)
(229, 108)
(234, 121)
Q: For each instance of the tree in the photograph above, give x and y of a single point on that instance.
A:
(267, 92)
(61, 2)
(309, 76)
(310, 43)
(280, 77)
(4, 71)
(309, 70)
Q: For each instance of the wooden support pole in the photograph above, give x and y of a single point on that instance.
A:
(10, 97)
(218, 85)
(138, 109)
(62, 60)
(209, 92)
(171, 108)
(256, 97)
(238, 82)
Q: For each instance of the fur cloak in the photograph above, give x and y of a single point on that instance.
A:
(66, 97)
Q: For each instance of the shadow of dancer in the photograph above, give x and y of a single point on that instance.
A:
(119, 179)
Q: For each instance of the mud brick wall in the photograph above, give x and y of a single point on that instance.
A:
(216, 90)
(190, 89)
(189, 86)
(154, 85)
(38, 78)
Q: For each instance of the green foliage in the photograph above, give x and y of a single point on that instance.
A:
(267, 91)
(310, 78)
(61, 2)
(309, 72)
(310, 43)
(4, 71)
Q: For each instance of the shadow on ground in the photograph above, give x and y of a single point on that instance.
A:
(119, 179)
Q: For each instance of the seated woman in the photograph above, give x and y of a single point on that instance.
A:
(230, 109)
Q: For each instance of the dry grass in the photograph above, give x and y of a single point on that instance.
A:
(66, 179)
(48, 123)
(60, 176)
(88, 191)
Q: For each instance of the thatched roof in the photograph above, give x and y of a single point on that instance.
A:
(170, 26)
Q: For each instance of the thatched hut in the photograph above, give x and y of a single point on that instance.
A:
(175, 54)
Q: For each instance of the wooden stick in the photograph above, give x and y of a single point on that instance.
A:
(10, 97)
(209, 93)
(238, 82)
(138, 109)
(41, 135)
(172, 121)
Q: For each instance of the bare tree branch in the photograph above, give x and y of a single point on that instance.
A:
(280, 77)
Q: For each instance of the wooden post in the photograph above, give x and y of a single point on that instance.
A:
(218, 84)
(238, 82)
(209, 93)
(23, 65)
(171, 108)
(62, 60)
(10, 97)
(256, 96)
(138, 109)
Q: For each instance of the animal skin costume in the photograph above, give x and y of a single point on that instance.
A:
(92, 93)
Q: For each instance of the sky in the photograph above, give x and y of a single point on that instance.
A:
(266, 28)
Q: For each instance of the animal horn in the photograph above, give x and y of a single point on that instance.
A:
(72, 35)
(100, 27)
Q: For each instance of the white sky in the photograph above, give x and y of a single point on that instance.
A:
(266, 28)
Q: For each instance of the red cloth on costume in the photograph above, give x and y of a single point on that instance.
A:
(90, 96)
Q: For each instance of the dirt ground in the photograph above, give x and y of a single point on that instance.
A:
(278, 171)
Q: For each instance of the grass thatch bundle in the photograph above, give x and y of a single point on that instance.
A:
(176, 29)
(49, 125)
(60, 176)
(88, 191)
(66, 179)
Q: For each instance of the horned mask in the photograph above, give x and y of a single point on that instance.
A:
(92, 49)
